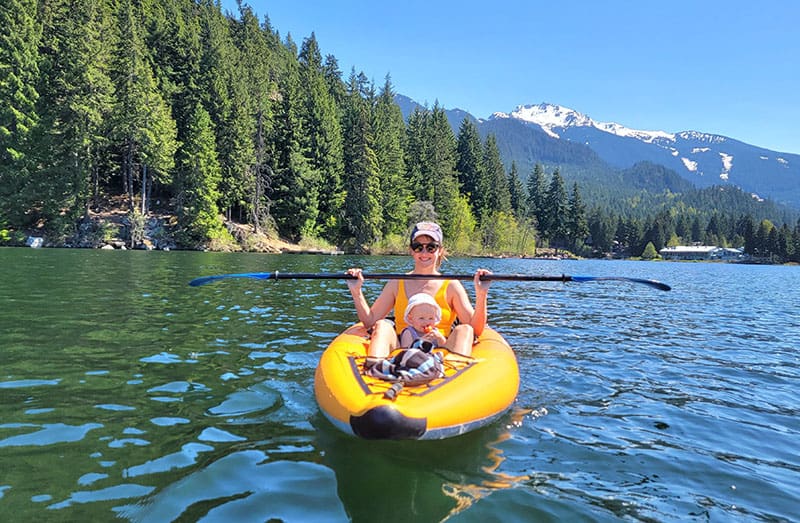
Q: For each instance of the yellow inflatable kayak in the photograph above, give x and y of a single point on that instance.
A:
(474, 391)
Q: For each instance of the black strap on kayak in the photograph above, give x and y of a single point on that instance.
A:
(393, 391)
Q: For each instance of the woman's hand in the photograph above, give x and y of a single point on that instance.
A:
(482, 285)
(355, 284)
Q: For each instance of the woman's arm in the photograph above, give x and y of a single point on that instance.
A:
(477, 316)
(366, 314)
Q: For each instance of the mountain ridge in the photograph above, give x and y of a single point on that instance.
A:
(704, 159)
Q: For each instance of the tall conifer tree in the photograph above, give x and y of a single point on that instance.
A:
(362, 207)
(554, 224)
(577, 226)
(199, 175)
(224, 81)
(322, 139)
(77, 49)
(499, 195)
(389, 146)
(144, 128)
(470, 168)
(441, 179)
(19, 40)
(519, 200)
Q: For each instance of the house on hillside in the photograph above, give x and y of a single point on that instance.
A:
(701, 252)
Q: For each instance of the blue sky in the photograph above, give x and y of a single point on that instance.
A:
(727, 67)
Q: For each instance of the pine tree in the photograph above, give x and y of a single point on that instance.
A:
(199, 175)
(537, 189)
(389, 147)
(577, 226)
(77, 48)
(440, 180)
(224, 81)
(295, 185)
(499, 195)
(554, 224)
(650, 252)
(362, 213)
(469, 166)
(519, 200)
(172, 37)
(321, 140)
(19, 71)
(601, 229)
(260, 100)
(144, 128)
(416, 160)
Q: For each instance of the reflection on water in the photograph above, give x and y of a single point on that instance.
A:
(417, 480)
(125, 393)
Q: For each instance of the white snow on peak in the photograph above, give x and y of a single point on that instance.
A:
(550, 117)
(701, 137)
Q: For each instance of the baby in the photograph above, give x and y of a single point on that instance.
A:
(422, 314)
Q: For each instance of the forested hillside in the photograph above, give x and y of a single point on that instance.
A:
(172, 107)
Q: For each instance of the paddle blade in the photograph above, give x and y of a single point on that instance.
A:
(202, 280)
(652, 283)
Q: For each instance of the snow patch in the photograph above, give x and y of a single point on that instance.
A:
(700, 150)
(689, 164)
(783, 161)
(674, 152)
(727, 161)
(727, 164)
(764, 157)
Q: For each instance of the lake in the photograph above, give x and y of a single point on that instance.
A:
(126, 394)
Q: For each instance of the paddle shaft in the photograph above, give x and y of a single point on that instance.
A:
(277, 275)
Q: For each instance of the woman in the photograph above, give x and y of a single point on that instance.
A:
(428, 252)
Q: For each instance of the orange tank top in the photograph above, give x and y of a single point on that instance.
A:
(401, 302)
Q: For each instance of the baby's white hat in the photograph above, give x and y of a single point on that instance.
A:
(419, 299)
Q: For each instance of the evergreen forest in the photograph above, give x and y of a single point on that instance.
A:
(174, 108)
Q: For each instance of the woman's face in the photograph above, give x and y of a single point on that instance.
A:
(425, 249)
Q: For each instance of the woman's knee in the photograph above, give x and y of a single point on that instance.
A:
(465, 330)
(383, 339)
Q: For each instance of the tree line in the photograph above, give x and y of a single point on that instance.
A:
(218, 119)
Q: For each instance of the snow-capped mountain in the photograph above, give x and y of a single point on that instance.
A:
(552, 117)
(556, 135)
(702, 158)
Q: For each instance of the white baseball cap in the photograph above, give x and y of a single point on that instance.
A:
(419, 299)
(427, 229)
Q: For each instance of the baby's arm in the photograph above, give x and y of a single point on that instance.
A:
(406, 338)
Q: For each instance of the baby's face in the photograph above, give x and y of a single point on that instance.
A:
(423, 317)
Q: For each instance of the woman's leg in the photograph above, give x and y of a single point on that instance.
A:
(383, 339)
(460, 340)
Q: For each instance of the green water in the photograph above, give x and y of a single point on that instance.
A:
(125, 393)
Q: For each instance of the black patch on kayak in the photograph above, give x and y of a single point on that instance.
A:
(385, 422)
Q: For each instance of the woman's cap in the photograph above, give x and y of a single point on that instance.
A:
(427, 229)
(419, 299)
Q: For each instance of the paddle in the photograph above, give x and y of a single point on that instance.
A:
(493, 277)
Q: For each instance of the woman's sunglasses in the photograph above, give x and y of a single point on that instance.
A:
(428, 247)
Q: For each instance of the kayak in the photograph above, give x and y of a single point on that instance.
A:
(475, 391)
